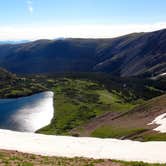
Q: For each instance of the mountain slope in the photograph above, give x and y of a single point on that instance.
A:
(12, 86)
(130, 125)
(129, 55)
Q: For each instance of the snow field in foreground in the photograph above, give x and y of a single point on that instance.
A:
(66, 146)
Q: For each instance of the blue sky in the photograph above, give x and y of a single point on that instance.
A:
(21, 19)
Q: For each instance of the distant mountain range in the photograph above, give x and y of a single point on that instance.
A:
(129, 55)
(14, 42)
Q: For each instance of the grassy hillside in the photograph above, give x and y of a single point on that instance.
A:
(86, 98)
(78, 101)
(13, 158)
(130, 88)
(130, 125)
(13, 86)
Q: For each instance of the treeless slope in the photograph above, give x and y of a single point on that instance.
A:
(135, 120)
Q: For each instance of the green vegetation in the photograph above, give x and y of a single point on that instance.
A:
(13, 158)
(154, 137)
(12, 86)
(115, 132)
(129, 88)
(80, 97)
(133, 124)
(77, 101)
(123, 163)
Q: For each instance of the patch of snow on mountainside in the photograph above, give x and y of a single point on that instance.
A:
(161, 121)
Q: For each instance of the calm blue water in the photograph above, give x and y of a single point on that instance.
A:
(27, 113)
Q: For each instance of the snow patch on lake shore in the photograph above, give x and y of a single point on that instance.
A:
(66, 146)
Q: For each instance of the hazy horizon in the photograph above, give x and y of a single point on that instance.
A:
(51, 19)
(25, 40)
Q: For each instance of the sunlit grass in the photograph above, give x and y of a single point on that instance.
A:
(78, 101)
(115, 132)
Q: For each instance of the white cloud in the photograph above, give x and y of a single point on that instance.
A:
(75, 31)
(30, 6)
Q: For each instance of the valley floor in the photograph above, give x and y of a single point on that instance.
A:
(66, 146)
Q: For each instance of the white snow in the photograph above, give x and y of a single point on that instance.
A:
(27, 113)
(161, 121)
(67, 146)
(163, 74)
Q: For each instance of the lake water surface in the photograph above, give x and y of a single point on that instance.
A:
(27, 113)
